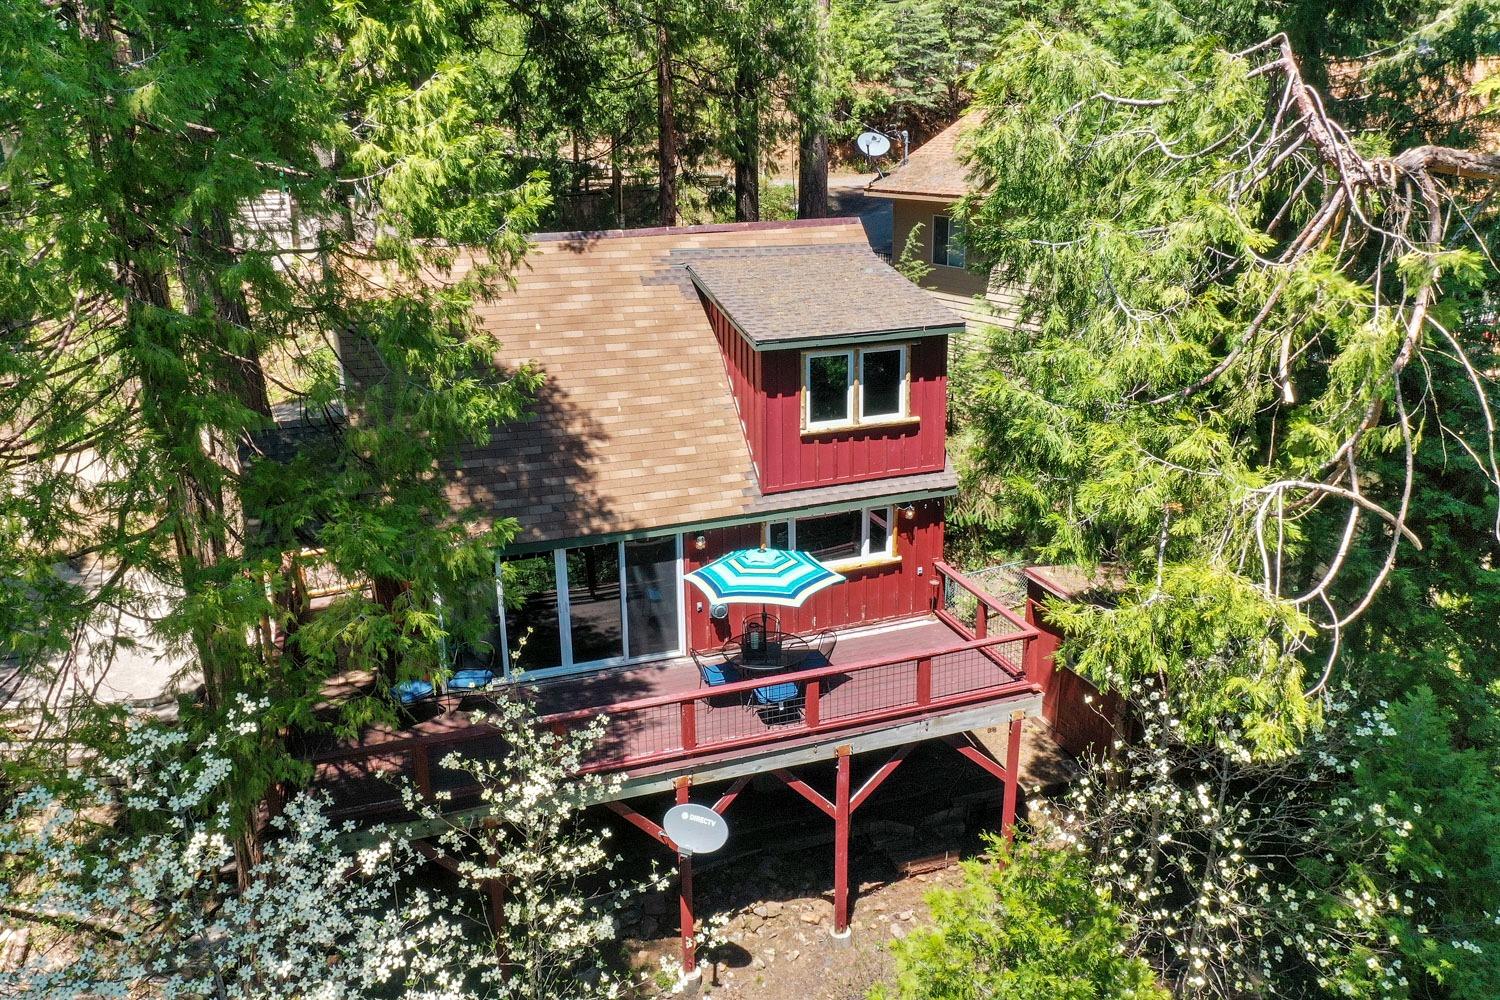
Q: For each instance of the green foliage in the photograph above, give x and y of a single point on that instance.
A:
(903, 63)
(152, 312)
(1198, 348)
(1028, 923)
(913, 262)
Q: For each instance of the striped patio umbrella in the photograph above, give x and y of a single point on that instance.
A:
(763, 576)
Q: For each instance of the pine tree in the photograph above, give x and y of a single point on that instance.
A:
(153, 318)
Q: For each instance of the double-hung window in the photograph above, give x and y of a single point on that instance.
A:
(842, 539)
(846, 388)
(947, 242)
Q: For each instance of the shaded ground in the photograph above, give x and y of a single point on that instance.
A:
(773, 897)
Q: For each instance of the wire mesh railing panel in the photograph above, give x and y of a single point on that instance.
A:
(726, 718)
(961, 603)
(970, 670)
(864, 692)
(639, 732)
(364, 781)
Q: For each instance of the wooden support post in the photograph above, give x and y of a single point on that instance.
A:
(924, 681)
(688, 724)
(421, 767)
(841, 846)
(1012, 775)
(810, 709)
(685, 892)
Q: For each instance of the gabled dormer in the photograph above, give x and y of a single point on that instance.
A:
(837, 362)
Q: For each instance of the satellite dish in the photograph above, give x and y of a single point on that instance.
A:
(873, 144)
(695, 829)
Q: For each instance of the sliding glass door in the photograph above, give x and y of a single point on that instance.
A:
(594, 605)
(652, 597)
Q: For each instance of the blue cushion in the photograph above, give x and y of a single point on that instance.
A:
(775, 694)
(715, 674)
(410, 691)
(471, 680)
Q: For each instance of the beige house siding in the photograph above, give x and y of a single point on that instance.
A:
(957, 288)
(907, 214)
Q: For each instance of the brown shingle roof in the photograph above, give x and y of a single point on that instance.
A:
(636, 427)
(934, 170)
(791, 294)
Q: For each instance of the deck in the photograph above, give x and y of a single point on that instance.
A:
(660, 718)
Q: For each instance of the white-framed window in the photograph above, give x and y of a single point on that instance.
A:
(590, 606)
(854, 386)
(842, 538)
(828, 387)
(947, 242)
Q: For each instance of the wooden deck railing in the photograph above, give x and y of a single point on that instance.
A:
(986, 614)
(712, 720)
(666, 728)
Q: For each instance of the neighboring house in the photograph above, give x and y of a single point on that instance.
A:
(711, 389)
(923, 192)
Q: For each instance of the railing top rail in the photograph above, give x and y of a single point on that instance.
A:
(406, 744)
(984, 597)
(800, 676)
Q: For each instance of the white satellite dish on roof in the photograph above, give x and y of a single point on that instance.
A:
(695, 829)
(873, 144)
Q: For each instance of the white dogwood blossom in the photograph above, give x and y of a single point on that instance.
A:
(137, 867)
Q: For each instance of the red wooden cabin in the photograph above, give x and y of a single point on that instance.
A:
(708, 389)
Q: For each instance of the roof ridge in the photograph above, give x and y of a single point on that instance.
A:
(716, 227)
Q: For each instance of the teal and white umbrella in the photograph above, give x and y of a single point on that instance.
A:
(763, 576)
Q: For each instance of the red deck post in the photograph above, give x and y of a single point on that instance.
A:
(421, 767)
(688, 724)
(685, 892)
(1012, 775)
(841, 846)
(924, 681)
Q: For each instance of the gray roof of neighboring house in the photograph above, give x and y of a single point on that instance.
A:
(779, 295)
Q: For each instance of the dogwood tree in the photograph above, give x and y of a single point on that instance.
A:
(131, 868)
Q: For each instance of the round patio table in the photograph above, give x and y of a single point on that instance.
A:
(783, 651)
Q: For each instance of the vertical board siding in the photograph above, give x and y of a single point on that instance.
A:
(742, 365)
(767, 388)
(867, 596)
(856, 455)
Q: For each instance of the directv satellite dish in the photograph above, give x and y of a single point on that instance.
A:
(873, 144)
(695, 829)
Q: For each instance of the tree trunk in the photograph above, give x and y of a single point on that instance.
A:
(746, 148)
(812, 147)
(206, 253)
(616, 183)
(666, 125)
(812, 175)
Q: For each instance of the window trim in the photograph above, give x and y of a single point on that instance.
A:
(856, 392)
(891, 555)
(851, 355)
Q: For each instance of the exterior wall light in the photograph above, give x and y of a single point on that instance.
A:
(908, 511)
